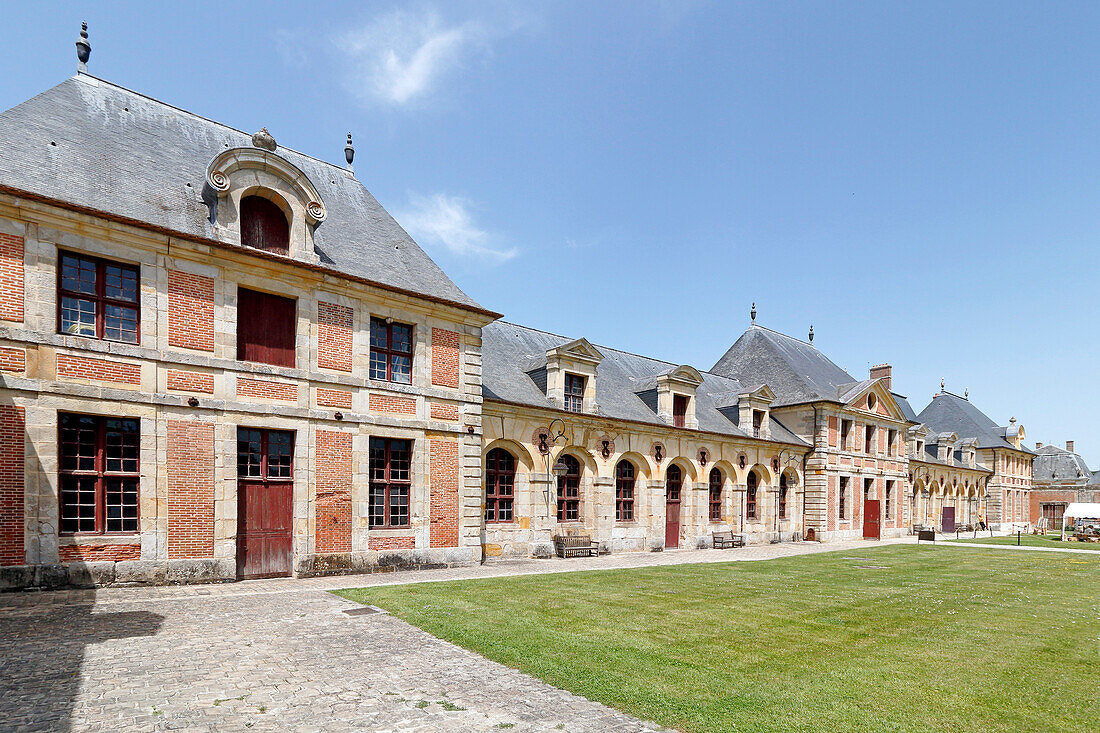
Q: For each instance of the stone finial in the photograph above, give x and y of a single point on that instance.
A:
(83, 48)
(349, 152)
(966, 393)
(263, 139)
(941, 384)
(811, 333)
(752, 313)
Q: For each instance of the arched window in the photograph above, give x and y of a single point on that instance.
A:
(500, 479)
(624, 492)
(569, 491)
(715, 495)
(783, 496)
(674, 480)
(264, 225)
(750, 495)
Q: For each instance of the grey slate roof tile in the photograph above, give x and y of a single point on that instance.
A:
(507, 348)
(1056, 464)
(94, 144)
(949, 413)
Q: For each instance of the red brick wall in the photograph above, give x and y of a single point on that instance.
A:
(391, 403)
(190, 489)
(391, 543)
(445, 347)
(1038, 497)
(267, 390)
(93, 553)
(181, 381)
(190, 311)
(334, 334)
(443, 476)
(82, 367)
(12, 437)
(333, 492)
(13, 360)
(334, 398)
(11, 278)
(444, 412)
(832, 432)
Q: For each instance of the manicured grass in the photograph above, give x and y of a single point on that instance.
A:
(1031, 540)
(895, 638)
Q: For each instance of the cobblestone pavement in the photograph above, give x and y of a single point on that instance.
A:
(282, 655)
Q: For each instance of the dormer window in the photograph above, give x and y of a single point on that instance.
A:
(574, 393)
(264, 225)
(757, 422)
(679, 410)
(920, 448)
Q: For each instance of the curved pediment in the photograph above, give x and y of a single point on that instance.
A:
(226, 169)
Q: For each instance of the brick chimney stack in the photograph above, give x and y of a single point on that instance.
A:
(1069, 445)
(1038, 445)
(883, 372)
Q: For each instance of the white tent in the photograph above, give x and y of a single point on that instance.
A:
(1080, 510)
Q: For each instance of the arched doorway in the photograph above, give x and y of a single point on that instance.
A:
(674, 482)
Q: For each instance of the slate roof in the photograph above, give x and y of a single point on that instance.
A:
(624, 382)
(950, 413)
(795, 370)
(954, 456)
(100, 146)
(1057, 464)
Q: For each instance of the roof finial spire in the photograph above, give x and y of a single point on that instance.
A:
(752, 313)
(966, 393)
(83, 49)
(941, 384)
(349, 153)
(811, 333)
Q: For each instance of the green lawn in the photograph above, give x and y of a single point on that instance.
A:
(895, 638)
(1031, 540)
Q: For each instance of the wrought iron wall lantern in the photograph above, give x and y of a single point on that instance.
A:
(605, 448)
(741, 461)
(703, 456)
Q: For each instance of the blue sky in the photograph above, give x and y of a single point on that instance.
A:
(919, 182)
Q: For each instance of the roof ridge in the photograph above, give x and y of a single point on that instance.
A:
(198, 116)
(784, 335)
(621, 351)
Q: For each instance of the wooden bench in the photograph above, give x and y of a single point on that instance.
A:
(725, 540)
(575, 546)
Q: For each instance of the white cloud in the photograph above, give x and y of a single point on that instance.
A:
(402, 56)
(445, 220)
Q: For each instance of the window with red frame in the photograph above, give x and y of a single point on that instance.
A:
(783, 496)
(624, 492)
(265, 455)
(679, 410)
(716, 480)
(390, 481)
(97, 298)
(500, 479)
(391, 351)
(574, 393)
(750, 495)
(99, 475)
(569, 491)
(264, 225)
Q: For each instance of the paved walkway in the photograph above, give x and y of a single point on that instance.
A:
(283, 655)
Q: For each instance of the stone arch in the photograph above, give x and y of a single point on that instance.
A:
(763, 474)
(522, 455)
(729, 472)
(642, 465)
(686, 465)
(582, 455)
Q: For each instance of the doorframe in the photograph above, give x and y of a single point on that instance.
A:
(265, 480)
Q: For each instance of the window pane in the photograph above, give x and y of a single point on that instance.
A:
(377, 459)
(121, 505)
(78, 443)
(399, 505)
(399, 460)
(504, 510)
(377, 365)
(78, 504)
(402, 369)
(280, 448)
(248, 453)
(120, 283)
(378, 334)
(121, 446)
(77, 316)
(377, 505)
(401, 338)
(78, 274)
(120, 324)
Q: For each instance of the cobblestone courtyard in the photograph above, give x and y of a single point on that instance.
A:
(281, 655)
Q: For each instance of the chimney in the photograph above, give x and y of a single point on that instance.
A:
(883, 372)
(1069, 445)
(1038, 445)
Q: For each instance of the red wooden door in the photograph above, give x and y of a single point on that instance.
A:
(265, 488)
(673, 483)
(872, 521)
(948, 519)
(263, 529)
